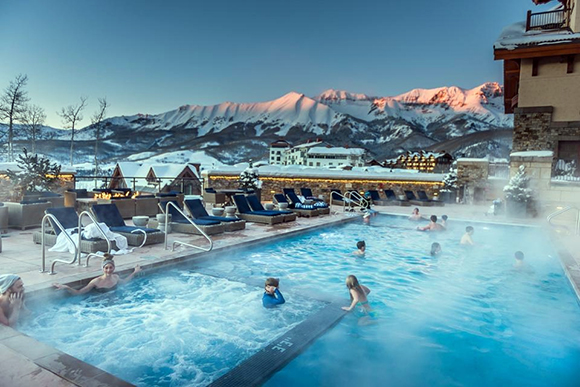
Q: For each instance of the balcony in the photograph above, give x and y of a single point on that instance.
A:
(550, 20)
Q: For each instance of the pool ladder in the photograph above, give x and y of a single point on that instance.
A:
(562, 211)
(351, 198)
(170, 203)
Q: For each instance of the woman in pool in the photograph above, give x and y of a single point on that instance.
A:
(104, 283)
(358, 295)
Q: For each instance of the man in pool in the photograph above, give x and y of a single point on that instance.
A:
(432, 226)
(272, 295)
(11, 299)
(466, 238)
(444, 221)
(361, 246)
(416, 215)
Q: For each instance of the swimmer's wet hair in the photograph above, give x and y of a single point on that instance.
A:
(444, 217)
(433, 218)
(272, 282)
(468, 228)
(360, 244)
(519, 255)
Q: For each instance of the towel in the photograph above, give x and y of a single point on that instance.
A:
(90, 231)
(6, 281)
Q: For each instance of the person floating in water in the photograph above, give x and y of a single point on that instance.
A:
(361, 246)
(272, 295)
(444, 220)
(435, 249)
(432, 226)
(104, 283)
(358, 295)
(466, 238)
(11, 299)
(416, 215)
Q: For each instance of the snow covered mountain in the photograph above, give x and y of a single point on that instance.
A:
(233, 132)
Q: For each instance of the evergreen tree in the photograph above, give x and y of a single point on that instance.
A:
(249, 179)
(450, 181)
(518, 189)
(37, 174)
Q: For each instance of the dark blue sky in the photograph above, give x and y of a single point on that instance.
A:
(154, 56)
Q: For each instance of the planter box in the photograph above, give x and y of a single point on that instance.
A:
(516, 209)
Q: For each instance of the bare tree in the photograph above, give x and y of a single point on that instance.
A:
(12, 105)
(97, 121)
(71, 115)
(33, 119)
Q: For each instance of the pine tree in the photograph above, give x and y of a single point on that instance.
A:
(450, 181)
(249, 179)
(518, 189)
(37, 174)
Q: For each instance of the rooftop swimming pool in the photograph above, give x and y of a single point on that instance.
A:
(463, 318)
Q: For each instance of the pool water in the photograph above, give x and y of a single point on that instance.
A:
(175, 328)
(464, 318)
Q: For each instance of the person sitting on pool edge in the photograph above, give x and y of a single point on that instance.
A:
(361, 246)
(435, 249)
(432, 226)
(11, 299)
(466, 238)
(104, 283)
(272, 295)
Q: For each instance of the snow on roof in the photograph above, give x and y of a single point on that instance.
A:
(473, 160)
(171, 170)
(375, 172)
(321, 150)
(308, 144)
(515, 35)
(544, 153)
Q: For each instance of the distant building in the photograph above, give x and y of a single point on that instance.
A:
(156, 177)
(277, 149)
(435, 162)
(315, 154)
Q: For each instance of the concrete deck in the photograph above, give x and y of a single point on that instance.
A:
(25, 362)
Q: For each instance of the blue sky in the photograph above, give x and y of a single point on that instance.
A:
(154, 56)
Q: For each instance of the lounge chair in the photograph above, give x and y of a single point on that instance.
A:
(394, 200)
(211, 196)
(180, 223)
(307, 193)
(197, 210)
(416, 201)
(255, 205)
(246, 213)
(136, 236)
(376, 198)
(424, 198)
(307, 212)
(68, 219)
(295, 201)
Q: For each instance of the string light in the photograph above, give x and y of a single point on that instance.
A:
(328, 180)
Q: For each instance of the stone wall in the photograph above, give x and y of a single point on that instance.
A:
(323, 186)
(534, 130)
(472, 179)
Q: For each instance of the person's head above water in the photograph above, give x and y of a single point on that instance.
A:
(416, 211)
(271, 285)
(469, 230)
(361, 245)
(444, 217)
(433, 218)
(435, 248)
(108, 264)
(352, 282)
(519, 256)
(12, 283)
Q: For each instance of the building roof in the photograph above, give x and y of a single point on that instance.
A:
(320, 150)
(515, 36)
(280, 144)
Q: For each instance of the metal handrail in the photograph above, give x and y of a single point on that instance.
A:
(564, 210)
(190, 221)
(45, 218)
(92, 218)
(349, 199)
(363, 202)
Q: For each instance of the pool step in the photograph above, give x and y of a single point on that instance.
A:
(255, 370)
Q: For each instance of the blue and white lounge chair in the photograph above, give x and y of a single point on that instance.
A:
(180, 223)
(197, 210)
(246, 213)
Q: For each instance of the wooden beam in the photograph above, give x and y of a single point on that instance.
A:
(537, 51)
(535, 67)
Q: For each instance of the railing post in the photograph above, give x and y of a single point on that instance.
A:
(528, 18)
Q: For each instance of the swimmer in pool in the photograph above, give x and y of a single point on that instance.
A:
(416, 215)
(466, 238)
(361, 246)
(432, 226)
(11, 299)
(358, 295)
(444, 220)
(435, 249)
(272, 295)
(104, 283)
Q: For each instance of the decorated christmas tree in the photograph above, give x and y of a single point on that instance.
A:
(518, 189)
